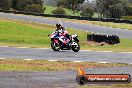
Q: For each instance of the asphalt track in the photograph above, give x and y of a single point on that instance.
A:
(86, 27)
(62, 79)
(49, 54)
(59, 79)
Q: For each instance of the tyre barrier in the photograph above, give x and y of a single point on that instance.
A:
(72, 17)
(110, 39)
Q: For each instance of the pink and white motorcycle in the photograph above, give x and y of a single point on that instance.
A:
(60, 42)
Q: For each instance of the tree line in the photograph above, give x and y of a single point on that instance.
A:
(106, 8)
(114, 8)
(22, 5)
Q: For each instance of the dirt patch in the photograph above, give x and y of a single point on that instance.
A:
(92, 43)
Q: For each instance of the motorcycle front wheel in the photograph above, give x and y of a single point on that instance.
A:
(55, 46)
(75, 48)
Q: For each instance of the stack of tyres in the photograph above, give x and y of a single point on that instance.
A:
(110, 39)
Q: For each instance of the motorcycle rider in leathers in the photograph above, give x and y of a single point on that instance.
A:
(60, 31)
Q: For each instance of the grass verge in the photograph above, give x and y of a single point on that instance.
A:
(29, 34)
(43, 65)
(114, 25)
(21, 33)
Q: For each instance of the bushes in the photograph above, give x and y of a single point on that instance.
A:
(129, 11)
(59, 11)
(5, 5)
(87, 12)
(127, 17)
(35, 8)
(22, 5)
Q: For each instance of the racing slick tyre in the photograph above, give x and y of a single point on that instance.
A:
(55, 46)
(80, 80)
(75, 48)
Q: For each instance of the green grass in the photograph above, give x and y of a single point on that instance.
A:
(43, 65)
(14, 32)
(49, 9)
(21, 33)
(124, 46)
(114, 25)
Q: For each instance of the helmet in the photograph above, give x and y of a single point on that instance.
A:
(59, 24)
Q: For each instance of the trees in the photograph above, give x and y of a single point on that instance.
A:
(59, 11)
(116, 11)
(36, 8)
(87, 12)
(20, 4)
(31, 5)
(70, 4)
(5, 4)
(28, 5)
(129, 10)
(112, 8)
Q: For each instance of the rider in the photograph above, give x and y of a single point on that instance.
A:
(60, 31)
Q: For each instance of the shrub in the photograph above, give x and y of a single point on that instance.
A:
(59, 11)
(35, 8)
(127, 17)
(129, 11)
(5, 5)
(87, 12)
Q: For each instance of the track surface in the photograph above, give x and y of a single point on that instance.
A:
(60, 79)
(89, 56)
(48, 54)
(86, 27)
(63, 79)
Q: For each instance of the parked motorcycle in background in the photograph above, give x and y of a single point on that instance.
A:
(63, 43)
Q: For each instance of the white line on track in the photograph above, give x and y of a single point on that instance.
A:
(4, 46)
(77, 61)
(80, 50)
(103, 62)
(41, 48)
(28, 59)
(23, 47)
(104, 51)
(125, 52)
(86, 50)
(2, 58)
(53, 60)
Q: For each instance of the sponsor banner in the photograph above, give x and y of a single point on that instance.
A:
(107, 77)
(83, 78)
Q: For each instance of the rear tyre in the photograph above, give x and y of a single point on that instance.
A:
(55, 46)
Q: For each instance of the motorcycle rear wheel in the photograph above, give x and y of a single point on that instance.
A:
(55, 46)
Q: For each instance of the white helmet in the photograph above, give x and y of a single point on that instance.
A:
(59, 24)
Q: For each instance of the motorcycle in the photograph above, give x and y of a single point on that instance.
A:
(62, 43)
